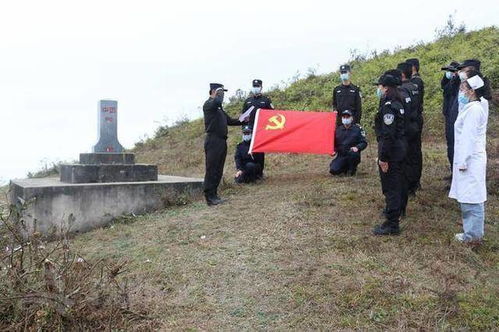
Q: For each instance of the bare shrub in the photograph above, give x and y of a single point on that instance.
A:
(47, 286)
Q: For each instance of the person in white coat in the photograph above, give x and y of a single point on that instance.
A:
(470, 159)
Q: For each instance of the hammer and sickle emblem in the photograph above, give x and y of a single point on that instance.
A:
(276, 122)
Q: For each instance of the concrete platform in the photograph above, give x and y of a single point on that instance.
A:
(56, 207)
(103, 173)
(107, 158)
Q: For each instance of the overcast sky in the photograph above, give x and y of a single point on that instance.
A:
(58, 58)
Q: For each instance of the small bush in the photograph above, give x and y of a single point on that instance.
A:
(47, 286)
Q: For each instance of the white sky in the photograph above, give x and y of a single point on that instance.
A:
(58, 58)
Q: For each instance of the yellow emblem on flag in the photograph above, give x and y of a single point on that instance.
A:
(276, 122)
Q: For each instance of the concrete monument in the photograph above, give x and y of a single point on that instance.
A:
(105, 184)
(108, 162)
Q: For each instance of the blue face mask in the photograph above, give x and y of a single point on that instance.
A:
(379, 93)
(462, 98)
(246, 137)
(344, 76)
(448, 75)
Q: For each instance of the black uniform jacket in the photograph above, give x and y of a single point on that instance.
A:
(389, 127)
(412, 115)
(258, 101)
(215, 118)
(348, 97)
(416, 79)
(346, 138)
(450, 90)
(242, 157)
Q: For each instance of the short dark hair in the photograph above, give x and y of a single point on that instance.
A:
(413, 62)
(405, 68)
(393, 93)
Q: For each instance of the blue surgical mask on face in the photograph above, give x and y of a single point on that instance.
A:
(247, 138)
(346, 121)
(448, 75)
(344, 76)
(256, 90)
(462, 98)
(379, 93)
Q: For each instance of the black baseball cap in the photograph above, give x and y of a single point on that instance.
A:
(344, 68)
(214, 86)
(388, 80)
(346, 112)
(451, 67)
(247, 129)
(257, 83)
(470, 62)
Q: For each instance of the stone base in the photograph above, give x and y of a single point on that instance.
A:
(57, 207)
(107, 158)
(78, 173)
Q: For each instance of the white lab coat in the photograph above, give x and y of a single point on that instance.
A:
(470, 131)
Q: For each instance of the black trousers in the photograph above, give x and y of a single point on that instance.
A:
(251, 172)
(414, 162)
(215, 150)
(344, 163)
(449, 137)
(392, 185)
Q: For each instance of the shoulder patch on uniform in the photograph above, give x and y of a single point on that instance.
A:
(408, 100)
(363, 132)
(388, 119)
(388, 103)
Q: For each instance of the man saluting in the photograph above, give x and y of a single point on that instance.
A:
(215, 143)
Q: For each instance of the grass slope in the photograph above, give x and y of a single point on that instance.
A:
(295, 252)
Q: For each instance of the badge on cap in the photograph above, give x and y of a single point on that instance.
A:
(388, 119)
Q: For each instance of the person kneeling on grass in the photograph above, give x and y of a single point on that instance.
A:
(349, 141)
(470, 158)
(249, 166)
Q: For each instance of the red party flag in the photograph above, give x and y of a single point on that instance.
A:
(293, 131)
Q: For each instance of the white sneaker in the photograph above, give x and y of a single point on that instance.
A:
(459, 237)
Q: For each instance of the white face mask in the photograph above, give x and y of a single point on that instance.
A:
(344, 76)
(462, 76)
(347, 121)
(246, 137)
(256, 90)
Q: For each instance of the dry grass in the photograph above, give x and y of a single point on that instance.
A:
(295, 252)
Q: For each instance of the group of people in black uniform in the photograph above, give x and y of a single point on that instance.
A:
(249, 166)
(398, 126)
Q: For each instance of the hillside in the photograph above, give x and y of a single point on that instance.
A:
(295, 252)
(183, 143)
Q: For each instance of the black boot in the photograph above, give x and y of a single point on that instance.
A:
(213, 200)
(387, 228)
